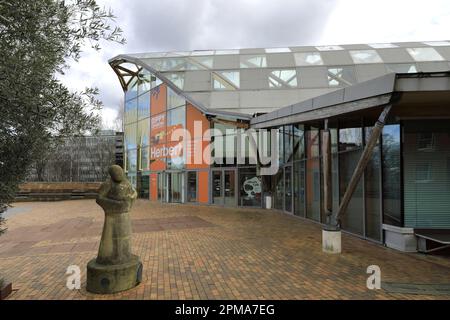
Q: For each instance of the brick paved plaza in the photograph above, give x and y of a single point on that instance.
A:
(202, 252)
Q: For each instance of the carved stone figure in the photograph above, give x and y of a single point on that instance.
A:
(115, 268)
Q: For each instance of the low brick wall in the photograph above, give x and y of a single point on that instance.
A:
(55, 191)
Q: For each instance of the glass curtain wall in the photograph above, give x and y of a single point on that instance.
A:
(313, 174)
(350, 150)
(426, 156)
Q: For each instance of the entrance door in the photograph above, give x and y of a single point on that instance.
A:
(170, 187)
(224, 187)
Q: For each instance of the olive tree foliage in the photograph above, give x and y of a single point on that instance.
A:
(38, 39)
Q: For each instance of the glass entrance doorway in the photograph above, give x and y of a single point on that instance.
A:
(171, 187)
(224, 187)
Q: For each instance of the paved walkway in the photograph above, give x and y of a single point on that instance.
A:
(202, 252)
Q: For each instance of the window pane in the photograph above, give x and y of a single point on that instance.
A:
(288, 143)
(226, 80)
(144, 82)
(130, 136)
(308, 59)
(426, 158)
(192, 186)
(424, 54)
(143, 132)
(130, 112)
(253, 61)
(437, 43)
(283, 78)
(299, 142)
(176, 78)
(299, 188)
(402, 67)
(391, 175)
(340, 76)
(350, 138)
(250, 184)
(382, 45)
(352, 220)
(173, 99)
(365, 56)
(144, 105)
(313, 189)
(278, 182)
(329, 48)
(277, 50)
(132, 90)
(373, 194)
(203, 62)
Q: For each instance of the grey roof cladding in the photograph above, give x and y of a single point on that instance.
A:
(257, 93)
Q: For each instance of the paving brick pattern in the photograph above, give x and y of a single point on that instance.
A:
(204, 252)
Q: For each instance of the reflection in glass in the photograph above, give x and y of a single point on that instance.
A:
(176, 78)
(424, 54)
(340, 76)
(299, 142)
(217, 187)
(283, 78)
(253, 61)
(349, 139)
(288, 143)
(426, 159)
(288, 188)
(229, 188)
(144, 105)
(391, 175)
(226, 80)
(372, 192)
(299, 188)
(192, 186)
(173, 99)
(313, 188)
(278, 181)
(402, 67)
(365, 56)
(308, 59)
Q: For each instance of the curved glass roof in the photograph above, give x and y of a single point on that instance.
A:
(260, 80)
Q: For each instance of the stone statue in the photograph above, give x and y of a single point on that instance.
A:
(115, 268)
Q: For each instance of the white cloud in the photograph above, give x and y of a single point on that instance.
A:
(367, 21)
(201, 24)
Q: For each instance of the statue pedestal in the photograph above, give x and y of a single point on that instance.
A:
(113, 278)
(331, 241)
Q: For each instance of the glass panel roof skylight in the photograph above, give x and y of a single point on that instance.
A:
(202, 53)
(226, 80)
(382, 45)
(203, 62)
(221, 52)
(329, 48)
(365, 56)
(176, 78)
(283, 78)
(437, 43)
(253, 61)
(277, 50)
(308, 59)
(424, 54)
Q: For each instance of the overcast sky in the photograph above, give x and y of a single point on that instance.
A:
(179, 25)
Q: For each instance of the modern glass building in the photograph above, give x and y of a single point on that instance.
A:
(300, 92)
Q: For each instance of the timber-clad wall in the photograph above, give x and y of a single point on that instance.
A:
(55, 191)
